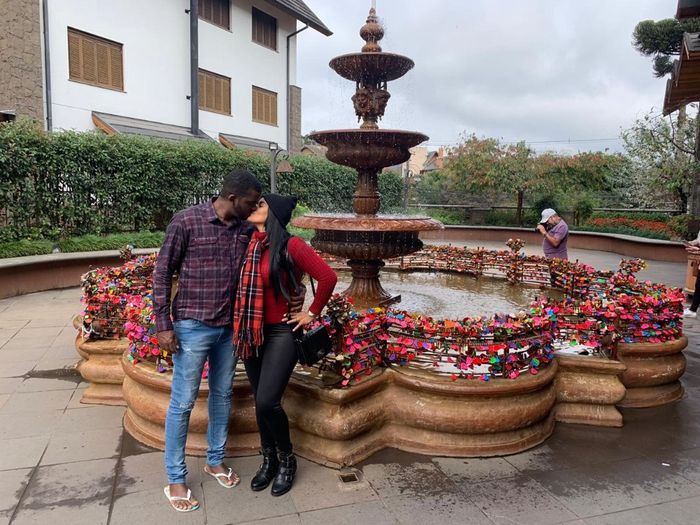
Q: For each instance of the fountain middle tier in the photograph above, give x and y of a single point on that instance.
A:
(368, 149)
(367, 237)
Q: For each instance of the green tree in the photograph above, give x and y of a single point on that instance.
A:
(662, 153)
(662, 40)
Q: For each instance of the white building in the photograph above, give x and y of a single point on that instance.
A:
(127, 66)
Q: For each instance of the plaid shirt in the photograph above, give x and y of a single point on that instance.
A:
(207, 256)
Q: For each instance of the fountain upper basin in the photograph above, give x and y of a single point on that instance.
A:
(371, 68)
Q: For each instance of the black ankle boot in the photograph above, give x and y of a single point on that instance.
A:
(285, 477)
(267, 471)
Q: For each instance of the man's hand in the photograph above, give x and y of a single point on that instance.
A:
(296, 302)
(540, 228)
(167, 341)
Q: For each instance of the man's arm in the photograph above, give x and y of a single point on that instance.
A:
(168, 262)
(556, 235)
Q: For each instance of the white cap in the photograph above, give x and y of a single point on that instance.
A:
(547, 214)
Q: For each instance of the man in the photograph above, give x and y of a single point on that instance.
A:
(555, 232)
(205, 245)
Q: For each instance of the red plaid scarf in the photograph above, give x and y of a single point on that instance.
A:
(248, 319)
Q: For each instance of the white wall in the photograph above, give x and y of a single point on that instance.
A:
(155, 38)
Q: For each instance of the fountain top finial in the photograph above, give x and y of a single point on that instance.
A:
(372, 32)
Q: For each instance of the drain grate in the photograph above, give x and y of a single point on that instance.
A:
(349, 477)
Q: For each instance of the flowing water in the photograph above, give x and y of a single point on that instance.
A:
(454, 296)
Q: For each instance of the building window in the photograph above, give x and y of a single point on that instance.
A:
(264, 106)
(216, 11)
(214, 92)
(94, 60)
(264, 29)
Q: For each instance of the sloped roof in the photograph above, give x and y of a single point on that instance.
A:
(688, 9)
(249, 143)
(111, 124)
(299, 10)
(684, 85)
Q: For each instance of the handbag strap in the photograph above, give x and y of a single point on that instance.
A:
(313, 290)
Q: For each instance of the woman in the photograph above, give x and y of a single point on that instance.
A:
(694, 248)
(275, 262)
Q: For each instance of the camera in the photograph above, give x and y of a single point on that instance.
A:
(546, 225)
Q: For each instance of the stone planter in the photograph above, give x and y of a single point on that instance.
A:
(588, 388)
(420, 412)
(101, 366)
(652, 374)
(147, 395)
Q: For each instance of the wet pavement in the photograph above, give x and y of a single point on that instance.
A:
(63, 462)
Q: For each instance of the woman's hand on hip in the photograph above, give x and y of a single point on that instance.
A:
(300, 319)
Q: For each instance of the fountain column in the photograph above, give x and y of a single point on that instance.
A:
(365, 238)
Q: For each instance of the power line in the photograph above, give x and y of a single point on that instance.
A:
(556, 141)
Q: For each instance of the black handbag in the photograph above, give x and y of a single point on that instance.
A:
(314, 345)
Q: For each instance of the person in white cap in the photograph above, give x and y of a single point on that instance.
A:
(555, 232)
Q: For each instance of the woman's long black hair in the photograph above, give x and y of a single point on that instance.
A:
(280, 261)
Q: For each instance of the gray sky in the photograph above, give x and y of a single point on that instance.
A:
(534, 70)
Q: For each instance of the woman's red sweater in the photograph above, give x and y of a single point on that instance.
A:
(306, 260)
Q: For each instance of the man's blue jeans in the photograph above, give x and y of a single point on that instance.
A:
(196, 343)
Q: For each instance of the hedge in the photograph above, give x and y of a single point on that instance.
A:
(57, 185)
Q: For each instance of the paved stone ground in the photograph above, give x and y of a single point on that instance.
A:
(62, 462)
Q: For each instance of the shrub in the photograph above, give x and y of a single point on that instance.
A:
(57, 185)
(678, 224)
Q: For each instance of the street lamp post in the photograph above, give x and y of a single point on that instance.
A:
(284, 166)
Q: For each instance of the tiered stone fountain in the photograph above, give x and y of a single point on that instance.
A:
(365, 238)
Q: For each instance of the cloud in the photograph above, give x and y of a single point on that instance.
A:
(538, 70)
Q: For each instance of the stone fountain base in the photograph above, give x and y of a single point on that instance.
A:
(407, 409)
(653, 372)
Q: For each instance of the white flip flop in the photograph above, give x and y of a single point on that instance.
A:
(221, 476)
(171, 499)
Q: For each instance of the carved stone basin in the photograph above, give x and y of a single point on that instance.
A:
(368, 149)
(371, 67)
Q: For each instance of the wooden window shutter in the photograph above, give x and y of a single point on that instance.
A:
(94, 60)
(216, 11)
(264, 29)
(264, 106)
(214, 92)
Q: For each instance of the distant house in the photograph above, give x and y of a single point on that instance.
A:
(314, 150)
(147, 67)
(435, 160)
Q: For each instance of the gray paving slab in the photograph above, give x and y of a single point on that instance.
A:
(475, 470)
(289, 519)
(241, 504)
(16, 368)
(518, 499)
(415, 479)
(623, 485)
(49, 362)
(649, 515)
(75, 399)
(3, 399)
(70, 493)
(29, 424)
(151, 507)
(28, 402)
(9, 385)
(82, 445)
(17, 354)
(143, 472)
(318, 487)
(93, 417)
(22, 452)
(439, 508)
(366, 512)
(12, 485)
(37, 384)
